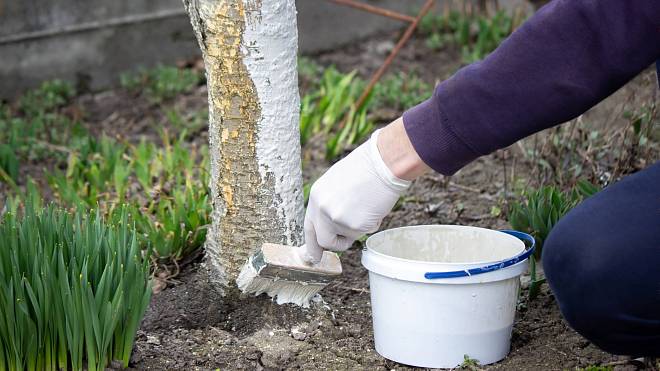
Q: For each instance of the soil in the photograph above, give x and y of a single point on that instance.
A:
(191, 326)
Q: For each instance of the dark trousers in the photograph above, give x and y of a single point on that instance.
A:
(602, 261)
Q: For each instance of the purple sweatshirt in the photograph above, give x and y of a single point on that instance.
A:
(569, 56)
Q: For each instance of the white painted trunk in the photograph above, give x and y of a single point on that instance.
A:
(250, 51)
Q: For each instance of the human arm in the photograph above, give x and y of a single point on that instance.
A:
(565, 59)
(569, 56)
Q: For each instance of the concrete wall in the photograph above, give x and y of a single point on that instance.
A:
(90, 42)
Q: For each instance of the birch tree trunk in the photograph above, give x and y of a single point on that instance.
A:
(250, 50)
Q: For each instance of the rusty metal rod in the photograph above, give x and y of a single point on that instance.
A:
(406, 35)
(375, 10)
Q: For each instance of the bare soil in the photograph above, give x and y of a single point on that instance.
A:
(190, 326)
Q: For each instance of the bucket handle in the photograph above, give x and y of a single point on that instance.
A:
(494, 266)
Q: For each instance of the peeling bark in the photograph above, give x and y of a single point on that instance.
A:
(250, 49)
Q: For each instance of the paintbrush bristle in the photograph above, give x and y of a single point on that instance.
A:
(278, 271)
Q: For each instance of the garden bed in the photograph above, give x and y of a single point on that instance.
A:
(190, 326)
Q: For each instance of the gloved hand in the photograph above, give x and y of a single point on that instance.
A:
(350, 200)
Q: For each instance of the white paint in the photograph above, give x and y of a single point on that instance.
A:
(270, 46)
(283, 291)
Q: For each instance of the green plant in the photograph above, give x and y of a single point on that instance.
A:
(400, 91)
(469, 363)
(308, 69)
(165, 189)
(175, 215)
(491, 32)
(595, 368)
(193, 123)
(47, 97)
(9, 164)
(566, 153)
(37, 129)
(477, 34)
(96, 175)
(162, 82)
(330, 110)
(72, 290)
(356, 128)
(539, 212)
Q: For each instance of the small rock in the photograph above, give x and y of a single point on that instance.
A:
(384, 47)
(297, 334)
(230, 341)
(154, 340)
(432, 209)
(313, 326)
(253, 355)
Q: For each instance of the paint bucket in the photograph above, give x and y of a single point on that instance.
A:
(443, 292)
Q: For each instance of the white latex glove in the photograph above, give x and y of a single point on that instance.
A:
(350, 200)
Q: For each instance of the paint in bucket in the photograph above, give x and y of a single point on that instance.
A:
(441, 292)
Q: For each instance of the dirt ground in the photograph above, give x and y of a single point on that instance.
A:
(189, 326)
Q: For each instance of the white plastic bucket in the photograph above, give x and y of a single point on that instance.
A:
(421, 320)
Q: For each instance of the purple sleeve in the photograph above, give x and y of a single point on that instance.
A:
(569, 56)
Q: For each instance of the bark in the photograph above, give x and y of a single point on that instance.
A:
(250, 49)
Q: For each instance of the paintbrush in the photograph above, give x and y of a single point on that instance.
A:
(282, 273)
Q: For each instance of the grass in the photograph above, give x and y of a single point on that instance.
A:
(73, 290)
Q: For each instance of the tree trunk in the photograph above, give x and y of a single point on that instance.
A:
(250, 50)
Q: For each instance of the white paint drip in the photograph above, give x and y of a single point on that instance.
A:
(270, 46)
(282, 291)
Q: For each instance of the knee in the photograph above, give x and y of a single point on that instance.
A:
(576, 278)
(581, 273)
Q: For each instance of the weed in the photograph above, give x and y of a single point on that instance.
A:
(162, 82)
(540, 212)
(73, 290)
(469, 364)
